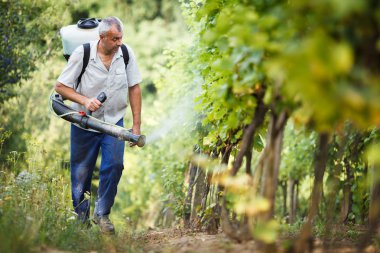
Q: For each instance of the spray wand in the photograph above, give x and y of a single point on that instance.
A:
(85, 120)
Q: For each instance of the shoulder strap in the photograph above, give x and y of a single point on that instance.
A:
(124, 49)
(86, 58)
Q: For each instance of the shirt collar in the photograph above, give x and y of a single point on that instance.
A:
(94, 51)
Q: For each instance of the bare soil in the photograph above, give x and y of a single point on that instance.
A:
(185, 241)
(176, 240)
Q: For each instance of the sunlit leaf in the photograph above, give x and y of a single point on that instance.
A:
(342, 58)
(235, 184)
(251, 206)
(373, 153)
(266, 231)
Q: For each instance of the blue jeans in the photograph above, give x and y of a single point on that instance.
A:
(85, 146)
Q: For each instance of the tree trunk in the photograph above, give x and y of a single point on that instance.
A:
(189, 196)
(292, 184)
(333, 184)
(249, 132)
(206, 192)
(296, 197)
(374, 209)
(272, 160)
(248, 161)
(199, 191)
(271, 166)
(364, 210)
(284, 188)
(320, 167)
(237, 232)
(347, 193)
(158, 9)
(234, 231)
(304, 242)
(213, 222)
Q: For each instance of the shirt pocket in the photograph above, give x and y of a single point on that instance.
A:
(120, 79)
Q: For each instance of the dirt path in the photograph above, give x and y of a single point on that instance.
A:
(181, 241)
(176, 240)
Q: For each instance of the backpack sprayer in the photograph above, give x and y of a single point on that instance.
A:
(85, 120)
(73, 36)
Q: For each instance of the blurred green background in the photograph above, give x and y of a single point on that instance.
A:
(203, 64)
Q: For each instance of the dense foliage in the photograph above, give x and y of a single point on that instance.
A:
(262, 63)
(28, 32)
(256, 117)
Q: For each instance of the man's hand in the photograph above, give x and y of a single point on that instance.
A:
(92, 104)
(135, 130)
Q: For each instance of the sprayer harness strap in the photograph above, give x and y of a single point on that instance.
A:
(86, 58)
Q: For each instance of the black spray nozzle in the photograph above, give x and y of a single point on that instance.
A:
(101, 97)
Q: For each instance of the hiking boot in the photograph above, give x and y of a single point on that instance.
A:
(104, 224)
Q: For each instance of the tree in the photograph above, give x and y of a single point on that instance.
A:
(262, 62)
(28, 31)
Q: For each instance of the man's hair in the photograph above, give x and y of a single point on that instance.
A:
(108, 22)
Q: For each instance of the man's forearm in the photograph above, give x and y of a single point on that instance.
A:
(91, 104)
(135, 101)
(70, 93)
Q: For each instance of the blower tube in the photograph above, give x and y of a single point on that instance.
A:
(85, 121)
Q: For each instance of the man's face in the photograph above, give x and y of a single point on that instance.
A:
(112, 40)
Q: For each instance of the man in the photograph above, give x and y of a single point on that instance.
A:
(105, 72)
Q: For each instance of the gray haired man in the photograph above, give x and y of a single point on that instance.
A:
(106, 72)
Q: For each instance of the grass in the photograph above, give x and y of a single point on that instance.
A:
(35, 212)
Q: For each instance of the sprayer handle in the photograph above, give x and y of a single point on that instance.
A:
(101, 97)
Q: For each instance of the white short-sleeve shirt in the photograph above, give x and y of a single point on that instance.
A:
(96, 79)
